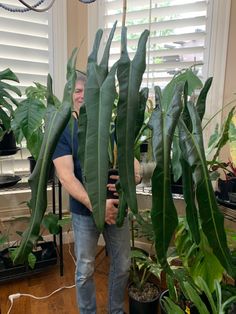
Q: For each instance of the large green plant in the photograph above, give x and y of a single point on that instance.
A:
(201, 206)
(7, 101)
(56, 120)
(95, 119)
(30, 118)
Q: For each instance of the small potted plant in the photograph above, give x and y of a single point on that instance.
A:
(145, 271)
(7, 103)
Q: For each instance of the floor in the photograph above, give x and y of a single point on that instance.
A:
(62, 302)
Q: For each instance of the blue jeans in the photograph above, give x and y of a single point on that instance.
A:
(118, 246)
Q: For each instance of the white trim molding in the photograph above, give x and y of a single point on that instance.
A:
(58, 47)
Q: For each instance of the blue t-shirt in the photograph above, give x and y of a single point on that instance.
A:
(64, 147)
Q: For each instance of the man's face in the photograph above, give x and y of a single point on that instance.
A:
(78, 96)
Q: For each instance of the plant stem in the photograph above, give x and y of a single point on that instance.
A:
(124, 12)
(231, 102)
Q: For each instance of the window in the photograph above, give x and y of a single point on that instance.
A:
(32, 45)
(183, 33)
(28, 43)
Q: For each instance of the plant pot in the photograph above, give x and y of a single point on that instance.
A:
(32, 163)
(225, 187)
(176, 187)
(8, 144)
(137, 302)
(46, 255)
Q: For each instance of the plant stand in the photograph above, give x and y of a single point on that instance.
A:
(21, 271)
(46, 257)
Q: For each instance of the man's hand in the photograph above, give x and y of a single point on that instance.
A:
(111, 211)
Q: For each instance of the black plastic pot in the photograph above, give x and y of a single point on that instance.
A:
(176, 187)
(225, 187)
(8, 144)
(32, 163)
(163, 294)
(141, 307)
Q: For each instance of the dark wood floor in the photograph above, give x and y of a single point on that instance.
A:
(63, 302)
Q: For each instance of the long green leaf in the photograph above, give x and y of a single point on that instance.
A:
(163, 213)
(143, 96)
(129, 75)
(99, 97)
(97, 141)
(56, 121)
(201, 101)
(82, 129)
(188, 186)
(187, 75)
(195, 298)
(211, 218)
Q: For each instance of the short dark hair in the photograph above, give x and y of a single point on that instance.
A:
(80, 76)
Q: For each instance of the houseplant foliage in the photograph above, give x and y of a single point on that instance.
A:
(95, 119)
(6, 100)
(204, 211)
(30, 116)
(56, 120)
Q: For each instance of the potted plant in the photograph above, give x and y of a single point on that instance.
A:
(173, 108)
(7, 103)
(30, 118)
(145, 271)
(56, 119)
(43, 254)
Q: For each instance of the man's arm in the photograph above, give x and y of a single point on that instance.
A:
(65, 170)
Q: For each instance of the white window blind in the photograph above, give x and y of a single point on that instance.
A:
(24, 44)
(178, 31)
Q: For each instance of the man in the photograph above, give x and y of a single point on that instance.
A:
(85, 232)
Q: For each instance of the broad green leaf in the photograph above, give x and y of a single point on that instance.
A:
(187, 75)
(34, 143)
(212, 219)
(163, 213)
(55, 124)
(31, 260)
(5, 119)
(29, 116)
(100, 93)
(205, 265)
(201, 101)
(196, 299)
(50, 222)
(205, 289)
(171, 307)
(5, 97)
(7, 74)
(129, 75)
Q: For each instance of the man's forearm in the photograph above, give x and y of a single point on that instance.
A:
(75, 188)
